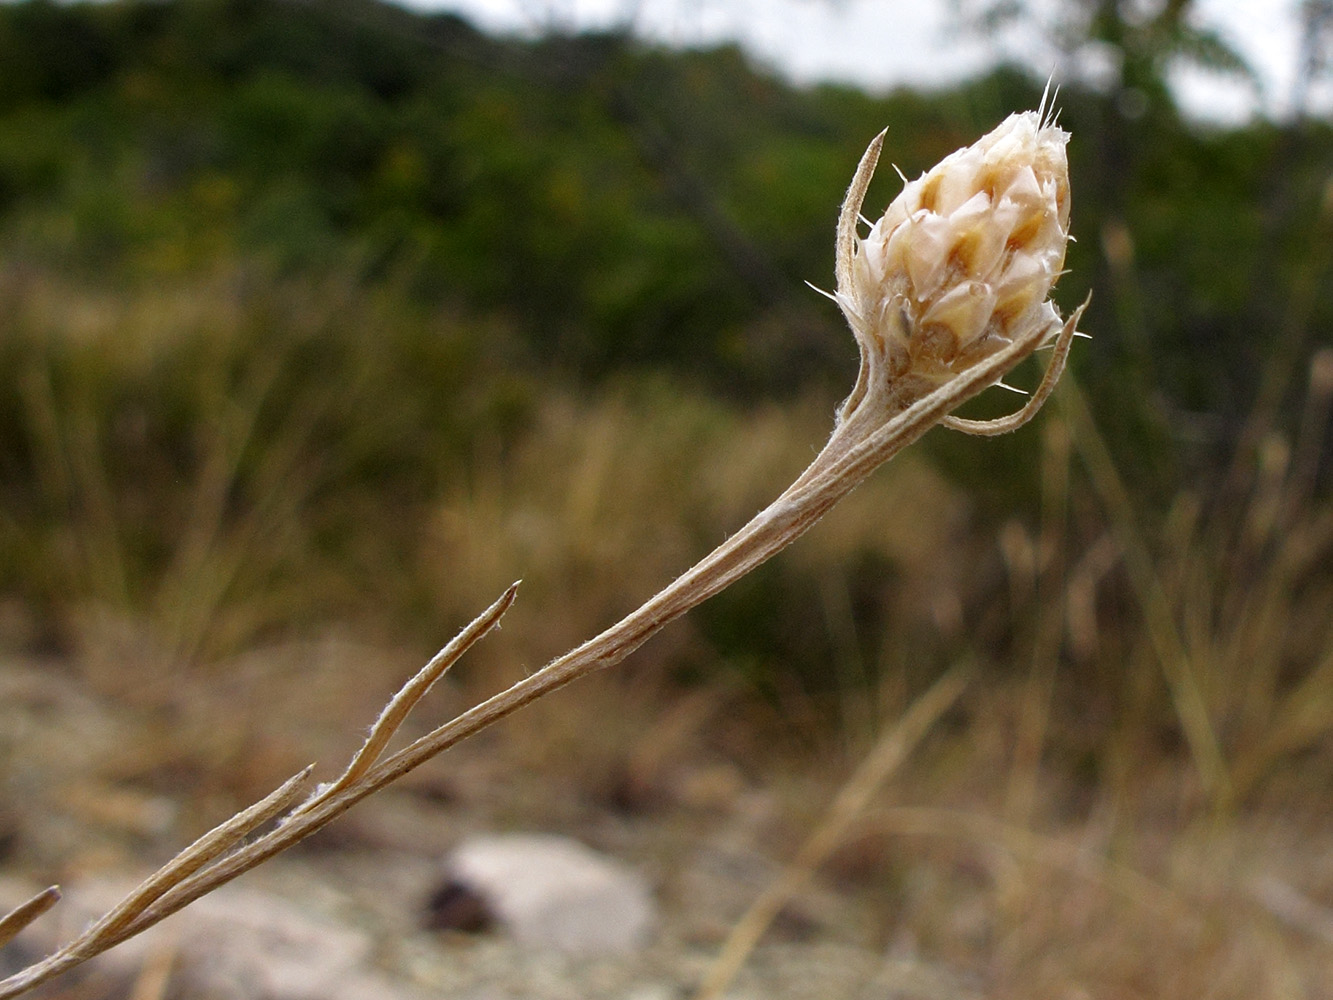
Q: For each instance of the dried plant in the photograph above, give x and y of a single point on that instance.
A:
(946, 293)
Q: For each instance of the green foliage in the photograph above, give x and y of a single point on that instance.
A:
(621, 205)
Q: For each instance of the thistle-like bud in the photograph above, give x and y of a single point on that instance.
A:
(962, 261)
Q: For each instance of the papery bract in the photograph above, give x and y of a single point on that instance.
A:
(963, 260)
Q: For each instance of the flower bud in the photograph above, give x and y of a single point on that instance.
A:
(963, 259)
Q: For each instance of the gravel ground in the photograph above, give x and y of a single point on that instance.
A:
(347, 925)
(342, 917)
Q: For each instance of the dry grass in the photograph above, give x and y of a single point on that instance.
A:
(1053, 841)
(597, 520)
(1130, 802)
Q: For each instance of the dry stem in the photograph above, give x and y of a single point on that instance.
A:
(870, 430)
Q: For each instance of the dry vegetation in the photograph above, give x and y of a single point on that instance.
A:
(285, 400)
(1127, 801)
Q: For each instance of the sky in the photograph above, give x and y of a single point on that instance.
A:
(879, 44)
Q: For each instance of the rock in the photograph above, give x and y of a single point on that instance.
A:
(552, 892)
(267, 947)
(235, 944)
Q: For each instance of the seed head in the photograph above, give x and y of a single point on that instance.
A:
(961, 262)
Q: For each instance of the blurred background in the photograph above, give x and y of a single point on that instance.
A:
(322, 322)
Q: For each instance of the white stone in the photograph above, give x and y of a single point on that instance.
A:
(552, 892)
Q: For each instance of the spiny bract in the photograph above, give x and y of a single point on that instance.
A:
(964, 258)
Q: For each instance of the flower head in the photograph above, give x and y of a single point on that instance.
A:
(962, 261)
